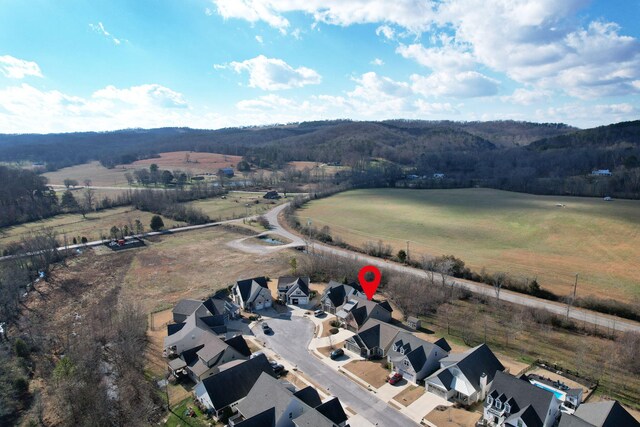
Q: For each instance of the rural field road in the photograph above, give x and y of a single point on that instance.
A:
(290, 340)
(601, 321)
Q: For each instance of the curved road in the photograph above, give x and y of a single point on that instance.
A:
(300, 331)
(602, 321)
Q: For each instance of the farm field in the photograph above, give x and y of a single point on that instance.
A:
(91, 227)
(524, 235)
(197, 162)
(234, 205)
(98, 174)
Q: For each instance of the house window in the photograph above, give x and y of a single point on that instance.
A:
(290, 415)
(498, 404)
(507, 407)
(489, 400)
(406, 363)
(520, 423)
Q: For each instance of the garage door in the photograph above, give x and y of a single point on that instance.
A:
(408, 376)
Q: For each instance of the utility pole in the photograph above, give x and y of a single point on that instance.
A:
(408, 259)
(573, 298)
(309, 232)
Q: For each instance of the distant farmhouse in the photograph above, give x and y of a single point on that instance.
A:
(601, 172)
(272, 195)
(226, 172)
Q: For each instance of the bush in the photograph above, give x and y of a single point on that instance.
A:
(335, 323)
(21, 348)
(156, 223)
(263, 221)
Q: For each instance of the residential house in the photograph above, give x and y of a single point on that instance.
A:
(599, 414)
(293, 290)
(226, 172)
(515, 402)
(373, 339)
(230, 385)
(193, 332)
(252, 294)
(271, 195)
(415, 358)
(271, 403)
(438, 176)
(218, 305)
(601, 172)
(465, 377)
(358, 310)
(337, 294)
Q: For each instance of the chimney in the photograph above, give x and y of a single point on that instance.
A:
(483, 385)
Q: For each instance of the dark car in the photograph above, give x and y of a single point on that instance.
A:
(266, 328)
(338, 352)
(395, 378)
(278, 369)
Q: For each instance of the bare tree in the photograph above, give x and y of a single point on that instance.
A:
(499, 280)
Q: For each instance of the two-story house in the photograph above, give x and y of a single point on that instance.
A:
(515, 402)
(355, 313)
(252, 294)
(465, 377)
(415, 358)
(337, 294)
(293, 290)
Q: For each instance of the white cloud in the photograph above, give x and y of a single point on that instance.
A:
(100, 29)
(372, 87)
(468, 84)
(259, 39)
(377, 61)
(386, 31)
(273, 74)
(430, 109)
(589, 115)
(15, 68)
(414, 15)
(438, 58)
(522, 96)
(29, 109)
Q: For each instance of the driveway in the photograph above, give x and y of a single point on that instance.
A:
(290, 339)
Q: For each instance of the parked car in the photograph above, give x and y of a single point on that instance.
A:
(318, 313)
(266, 328)
(338, 352)
(278, 369)
(256, 354)
(395, 378)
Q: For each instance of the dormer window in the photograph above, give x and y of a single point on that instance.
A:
(489, 400)
(507, 408)
(498, 404)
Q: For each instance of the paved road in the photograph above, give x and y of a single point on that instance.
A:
(603, 322)
(290, 340)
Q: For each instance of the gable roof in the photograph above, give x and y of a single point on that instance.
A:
(527, 415)
(245, 286)
(239, 344)
(233, 384)
(287, 282)
(309, 395)
(506, 387)
(606, 414)
(475, 362)
(375, 333)
(337, 292)
(265, 418)
(416, 350)
(186, 307)
(333, 410)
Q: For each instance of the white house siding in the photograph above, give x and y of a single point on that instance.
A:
(203, 396)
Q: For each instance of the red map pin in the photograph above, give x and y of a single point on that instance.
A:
(369, 286)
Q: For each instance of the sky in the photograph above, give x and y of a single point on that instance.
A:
(80, 65)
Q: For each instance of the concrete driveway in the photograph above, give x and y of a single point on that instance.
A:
(290, 339)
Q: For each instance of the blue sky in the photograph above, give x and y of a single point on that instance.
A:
(74, 65)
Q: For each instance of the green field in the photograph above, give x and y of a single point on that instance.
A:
(521, 234)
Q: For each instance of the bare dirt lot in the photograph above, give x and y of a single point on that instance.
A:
(409, 395)
(189, 160)
(372, 372)
(453, 417)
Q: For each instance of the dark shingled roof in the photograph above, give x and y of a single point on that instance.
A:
(214, 305)
(443, 344)
(172, 329)
(266, 418)
(239, 344)
(528, 415)
(606, 414)
(245, 285)
(309, 395)
(506, 387)
(477, 361)
(333, 410)
(286, 282)
(186, 307)
(235, 383)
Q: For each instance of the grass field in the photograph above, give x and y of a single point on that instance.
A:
(91, 227)
(524, 235)
(198, 162)
(234, 205)
(98, 174)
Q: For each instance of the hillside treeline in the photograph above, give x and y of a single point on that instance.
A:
(537, 158)
(24, 197)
